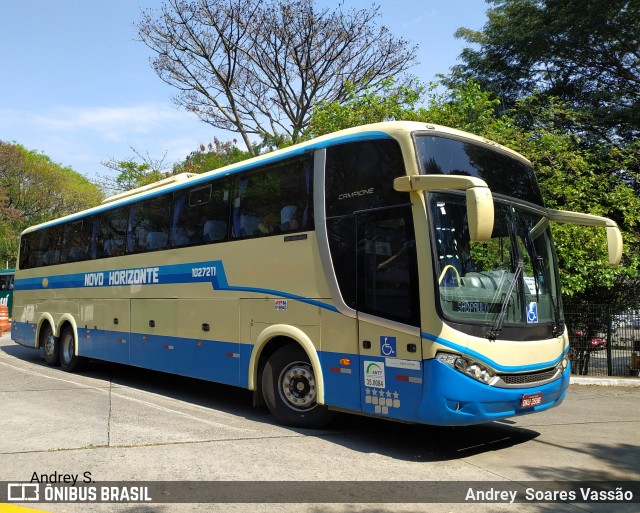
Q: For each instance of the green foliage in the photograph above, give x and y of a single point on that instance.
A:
(131, 173)
(213, 156)
(584, 52)
(34, 189)
(384, 102)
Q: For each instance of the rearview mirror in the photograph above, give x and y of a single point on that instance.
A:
(614, 237)
(479, 199)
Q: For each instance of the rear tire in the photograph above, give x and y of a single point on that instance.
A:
(69, 361)
(289, 389)
(50, 346)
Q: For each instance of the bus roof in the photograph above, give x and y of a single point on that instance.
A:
(388, 129)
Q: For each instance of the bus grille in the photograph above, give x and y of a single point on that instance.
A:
(522, 379)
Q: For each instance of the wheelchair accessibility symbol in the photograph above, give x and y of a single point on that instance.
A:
(532, 312)
(388, 346)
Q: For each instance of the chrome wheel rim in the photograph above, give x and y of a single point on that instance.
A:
(298, 386)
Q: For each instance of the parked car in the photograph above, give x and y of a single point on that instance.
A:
(596, 344)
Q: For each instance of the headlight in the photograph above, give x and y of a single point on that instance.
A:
(467, 366)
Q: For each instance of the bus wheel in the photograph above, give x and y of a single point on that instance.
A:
(289, 389)
(68, 360)
(51, 346)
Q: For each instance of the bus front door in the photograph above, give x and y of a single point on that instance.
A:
(388, 313)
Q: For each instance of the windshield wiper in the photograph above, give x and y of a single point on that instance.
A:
(497, 325)
(538, 267)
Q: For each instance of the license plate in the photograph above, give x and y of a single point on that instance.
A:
(529, 401)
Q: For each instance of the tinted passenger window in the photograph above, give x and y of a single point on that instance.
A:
(201, 214)
(360, 176)
(149, 225)
(77, 240)
(110, 232)
(274, 200)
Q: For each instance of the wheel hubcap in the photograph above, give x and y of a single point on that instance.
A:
(298, 386)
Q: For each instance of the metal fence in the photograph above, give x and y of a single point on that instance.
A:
(604, 342)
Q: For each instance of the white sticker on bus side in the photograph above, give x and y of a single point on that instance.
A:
(374, 374)
(402, 364)
(280, 304)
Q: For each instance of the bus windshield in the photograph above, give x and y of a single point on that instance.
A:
(510, 280)
(510, 275)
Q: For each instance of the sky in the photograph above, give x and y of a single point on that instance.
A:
(76, 85)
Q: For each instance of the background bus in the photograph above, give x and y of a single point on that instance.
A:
(400, 270)
(6, 288)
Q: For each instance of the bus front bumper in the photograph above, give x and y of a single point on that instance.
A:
(453, 399)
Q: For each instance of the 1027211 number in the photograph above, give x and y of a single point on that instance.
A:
(203, 272)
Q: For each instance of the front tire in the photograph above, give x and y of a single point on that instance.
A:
(69, 361)
(50, 346)
(289, 389)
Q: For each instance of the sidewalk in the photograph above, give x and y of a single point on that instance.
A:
(605, 381)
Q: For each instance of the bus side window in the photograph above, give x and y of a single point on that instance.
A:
(148, 225)
(51, 244)
(113, 231)
(201, 214)
(263, 199)
(77, 240)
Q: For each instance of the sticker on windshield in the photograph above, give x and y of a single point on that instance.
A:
(530, 282)
(532, 312)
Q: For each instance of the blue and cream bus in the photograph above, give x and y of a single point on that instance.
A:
(401, 270)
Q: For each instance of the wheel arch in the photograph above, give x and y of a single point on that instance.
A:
(274, 337)
(45, 318)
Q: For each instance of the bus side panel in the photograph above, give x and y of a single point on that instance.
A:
(340, 342)
(115, 324)
(209, 331)
(90, 337)
(153, 331)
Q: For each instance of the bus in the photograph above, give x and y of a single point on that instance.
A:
(401, 270)
(6, 288)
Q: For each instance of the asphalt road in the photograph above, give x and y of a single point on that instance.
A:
(124, 424)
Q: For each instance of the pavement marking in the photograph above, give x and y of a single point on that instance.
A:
(109, 390)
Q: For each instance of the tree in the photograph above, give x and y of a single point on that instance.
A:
(386, 102)
(34, 189)
(213, 156)
(583, 52)
(258, 68)
(132, 174)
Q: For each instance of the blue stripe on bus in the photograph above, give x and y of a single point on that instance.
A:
(363, 136)
(491, 363)
(196, 272)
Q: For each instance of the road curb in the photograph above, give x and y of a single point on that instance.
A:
(605, 382)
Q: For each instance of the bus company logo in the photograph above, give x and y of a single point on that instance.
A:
(354, 194)
(23, 492)
(374, 375)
